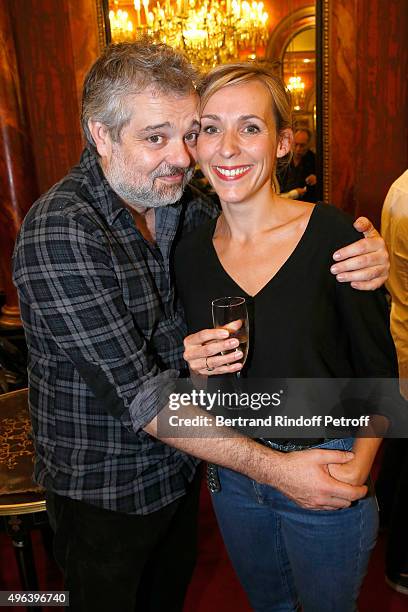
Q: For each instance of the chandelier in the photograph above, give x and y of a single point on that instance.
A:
(297, 88)
(209, 32)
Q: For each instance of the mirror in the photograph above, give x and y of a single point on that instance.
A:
(294, 42)
(299, 74)
(298, 178)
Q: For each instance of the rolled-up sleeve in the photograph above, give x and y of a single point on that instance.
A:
(65, 274)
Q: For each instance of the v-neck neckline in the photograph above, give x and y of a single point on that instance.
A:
(282, 271)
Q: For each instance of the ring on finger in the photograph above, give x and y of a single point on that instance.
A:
(207, 366)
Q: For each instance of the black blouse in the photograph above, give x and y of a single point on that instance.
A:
(303, 323)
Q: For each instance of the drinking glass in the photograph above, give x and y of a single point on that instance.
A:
(231, 313)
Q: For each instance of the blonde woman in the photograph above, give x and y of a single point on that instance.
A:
(276, 253)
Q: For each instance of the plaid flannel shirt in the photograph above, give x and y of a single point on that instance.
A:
(104, 335)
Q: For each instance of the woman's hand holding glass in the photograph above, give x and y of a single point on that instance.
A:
(204, 350)
(222, 350)
(231, 313)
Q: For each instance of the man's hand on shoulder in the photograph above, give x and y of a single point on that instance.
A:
(365, 263)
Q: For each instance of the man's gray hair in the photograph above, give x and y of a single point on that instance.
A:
(124, 69)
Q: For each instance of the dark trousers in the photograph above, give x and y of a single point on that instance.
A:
(132, 563)
(392, 493)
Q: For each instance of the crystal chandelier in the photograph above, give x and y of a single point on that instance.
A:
(297, 88)
(210, 32)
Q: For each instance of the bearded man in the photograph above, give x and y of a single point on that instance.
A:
(92, 266)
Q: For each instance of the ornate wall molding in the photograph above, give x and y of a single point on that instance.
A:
(294, 23)
(102, 12)
(323, 97)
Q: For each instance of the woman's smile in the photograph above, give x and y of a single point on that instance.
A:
(231, 173)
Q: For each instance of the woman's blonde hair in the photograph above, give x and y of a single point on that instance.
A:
(244, 72)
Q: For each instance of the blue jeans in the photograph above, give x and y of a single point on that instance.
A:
(285, 555)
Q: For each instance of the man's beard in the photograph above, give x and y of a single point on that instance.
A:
(142, 190)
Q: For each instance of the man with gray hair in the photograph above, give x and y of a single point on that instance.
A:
(92, 266)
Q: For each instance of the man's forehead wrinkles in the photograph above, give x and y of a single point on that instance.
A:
(167, 125)
(167, 113)
(157, 126)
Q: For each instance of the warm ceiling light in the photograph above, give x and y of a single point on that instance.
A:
(209, 31)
